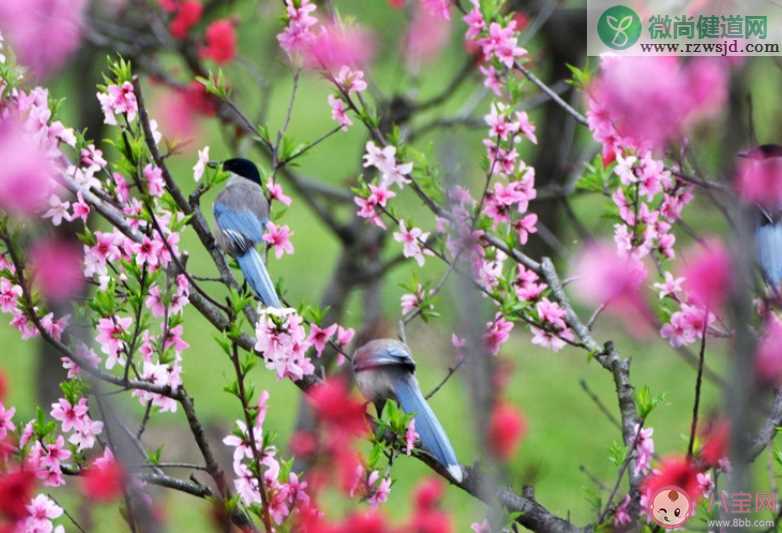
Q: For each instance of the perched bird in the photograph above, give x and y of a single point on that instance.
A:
(768, 224)
(241, 212)
(384, 370)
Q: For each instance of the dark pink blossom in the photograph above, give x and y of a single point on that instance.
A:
(70, 416)
(497, 333)
(27, 171)
(707, 276)
(43, 33)
(427, 34)
(606, 278)
(104, 480)
(298, 35)
(335, 45)
(188, 13)
(118, 100)
(621, 96)
(283, 341)
(155, 182)
(57, 267)
(501, 43)
(475, 21)
(319, 337)
(507, 427)
(769, 356)
(220, 45)
(110, 337)
(278, 237)
(526, 284)
(81, 209)
(9, 295)
(525, 226)
(276, 193)
(687, 325)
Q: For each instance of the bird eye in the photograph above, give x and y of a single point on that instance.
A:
(663, 509)
(677, 512)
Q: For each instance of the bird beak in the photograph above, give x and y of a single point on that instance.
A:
(213, 164)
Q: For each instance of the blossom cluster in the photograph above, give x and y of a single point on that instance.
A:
(326, 45)
(649, 197)
(680, 93)
(36, 454)
(689, 323)
(497, 43)
(282, 339)
(282, 497)
(690, 474)
(219, 37)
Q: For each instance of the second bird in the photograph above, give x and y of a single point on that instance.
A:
(241, 212)
(385, 370)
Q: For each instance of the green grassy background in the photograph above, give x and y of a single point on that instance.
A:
(566, 431)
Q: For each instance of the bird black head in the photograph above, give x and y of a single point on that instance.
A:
(244, 168)
(763, 151)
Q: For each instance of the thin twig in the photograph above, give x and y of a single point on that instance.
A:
(67, 514)
(625, 464)
(599, 403)
(144, 420)
(581, 119)
(451, 371)
(595, 315)
(698, 381)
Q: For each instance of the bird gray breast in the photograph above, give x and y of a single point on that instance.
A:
(375, 383)
(242, 193)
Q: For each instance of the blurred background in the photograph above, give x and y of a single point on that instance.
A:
(568, 441)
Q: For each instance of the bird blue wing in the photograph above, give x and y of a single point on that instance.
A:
(768, 240)
(242, 227)
(258, 277)
(433, 437)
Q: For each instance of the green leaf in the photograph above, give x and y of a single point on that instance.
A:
(597, 178)
(215, 84)
(154, 456)
(73, 390)
(646, 402)
(617, 453)
(233, 389)
(579, 78)
(778, 456)
(375, 456)
(224, 342)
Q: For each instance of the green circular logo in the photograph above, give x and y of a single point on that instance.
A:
(619, 27)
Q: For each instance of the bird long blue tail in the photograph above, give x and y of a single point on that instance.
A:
(769, 242)
(257, 276)
(433, 437)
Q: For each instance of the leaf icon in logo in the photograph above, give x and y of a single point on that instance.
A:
(620, 27)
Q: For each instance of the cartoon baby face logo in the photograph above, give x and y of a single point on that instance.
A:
(670, 507)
